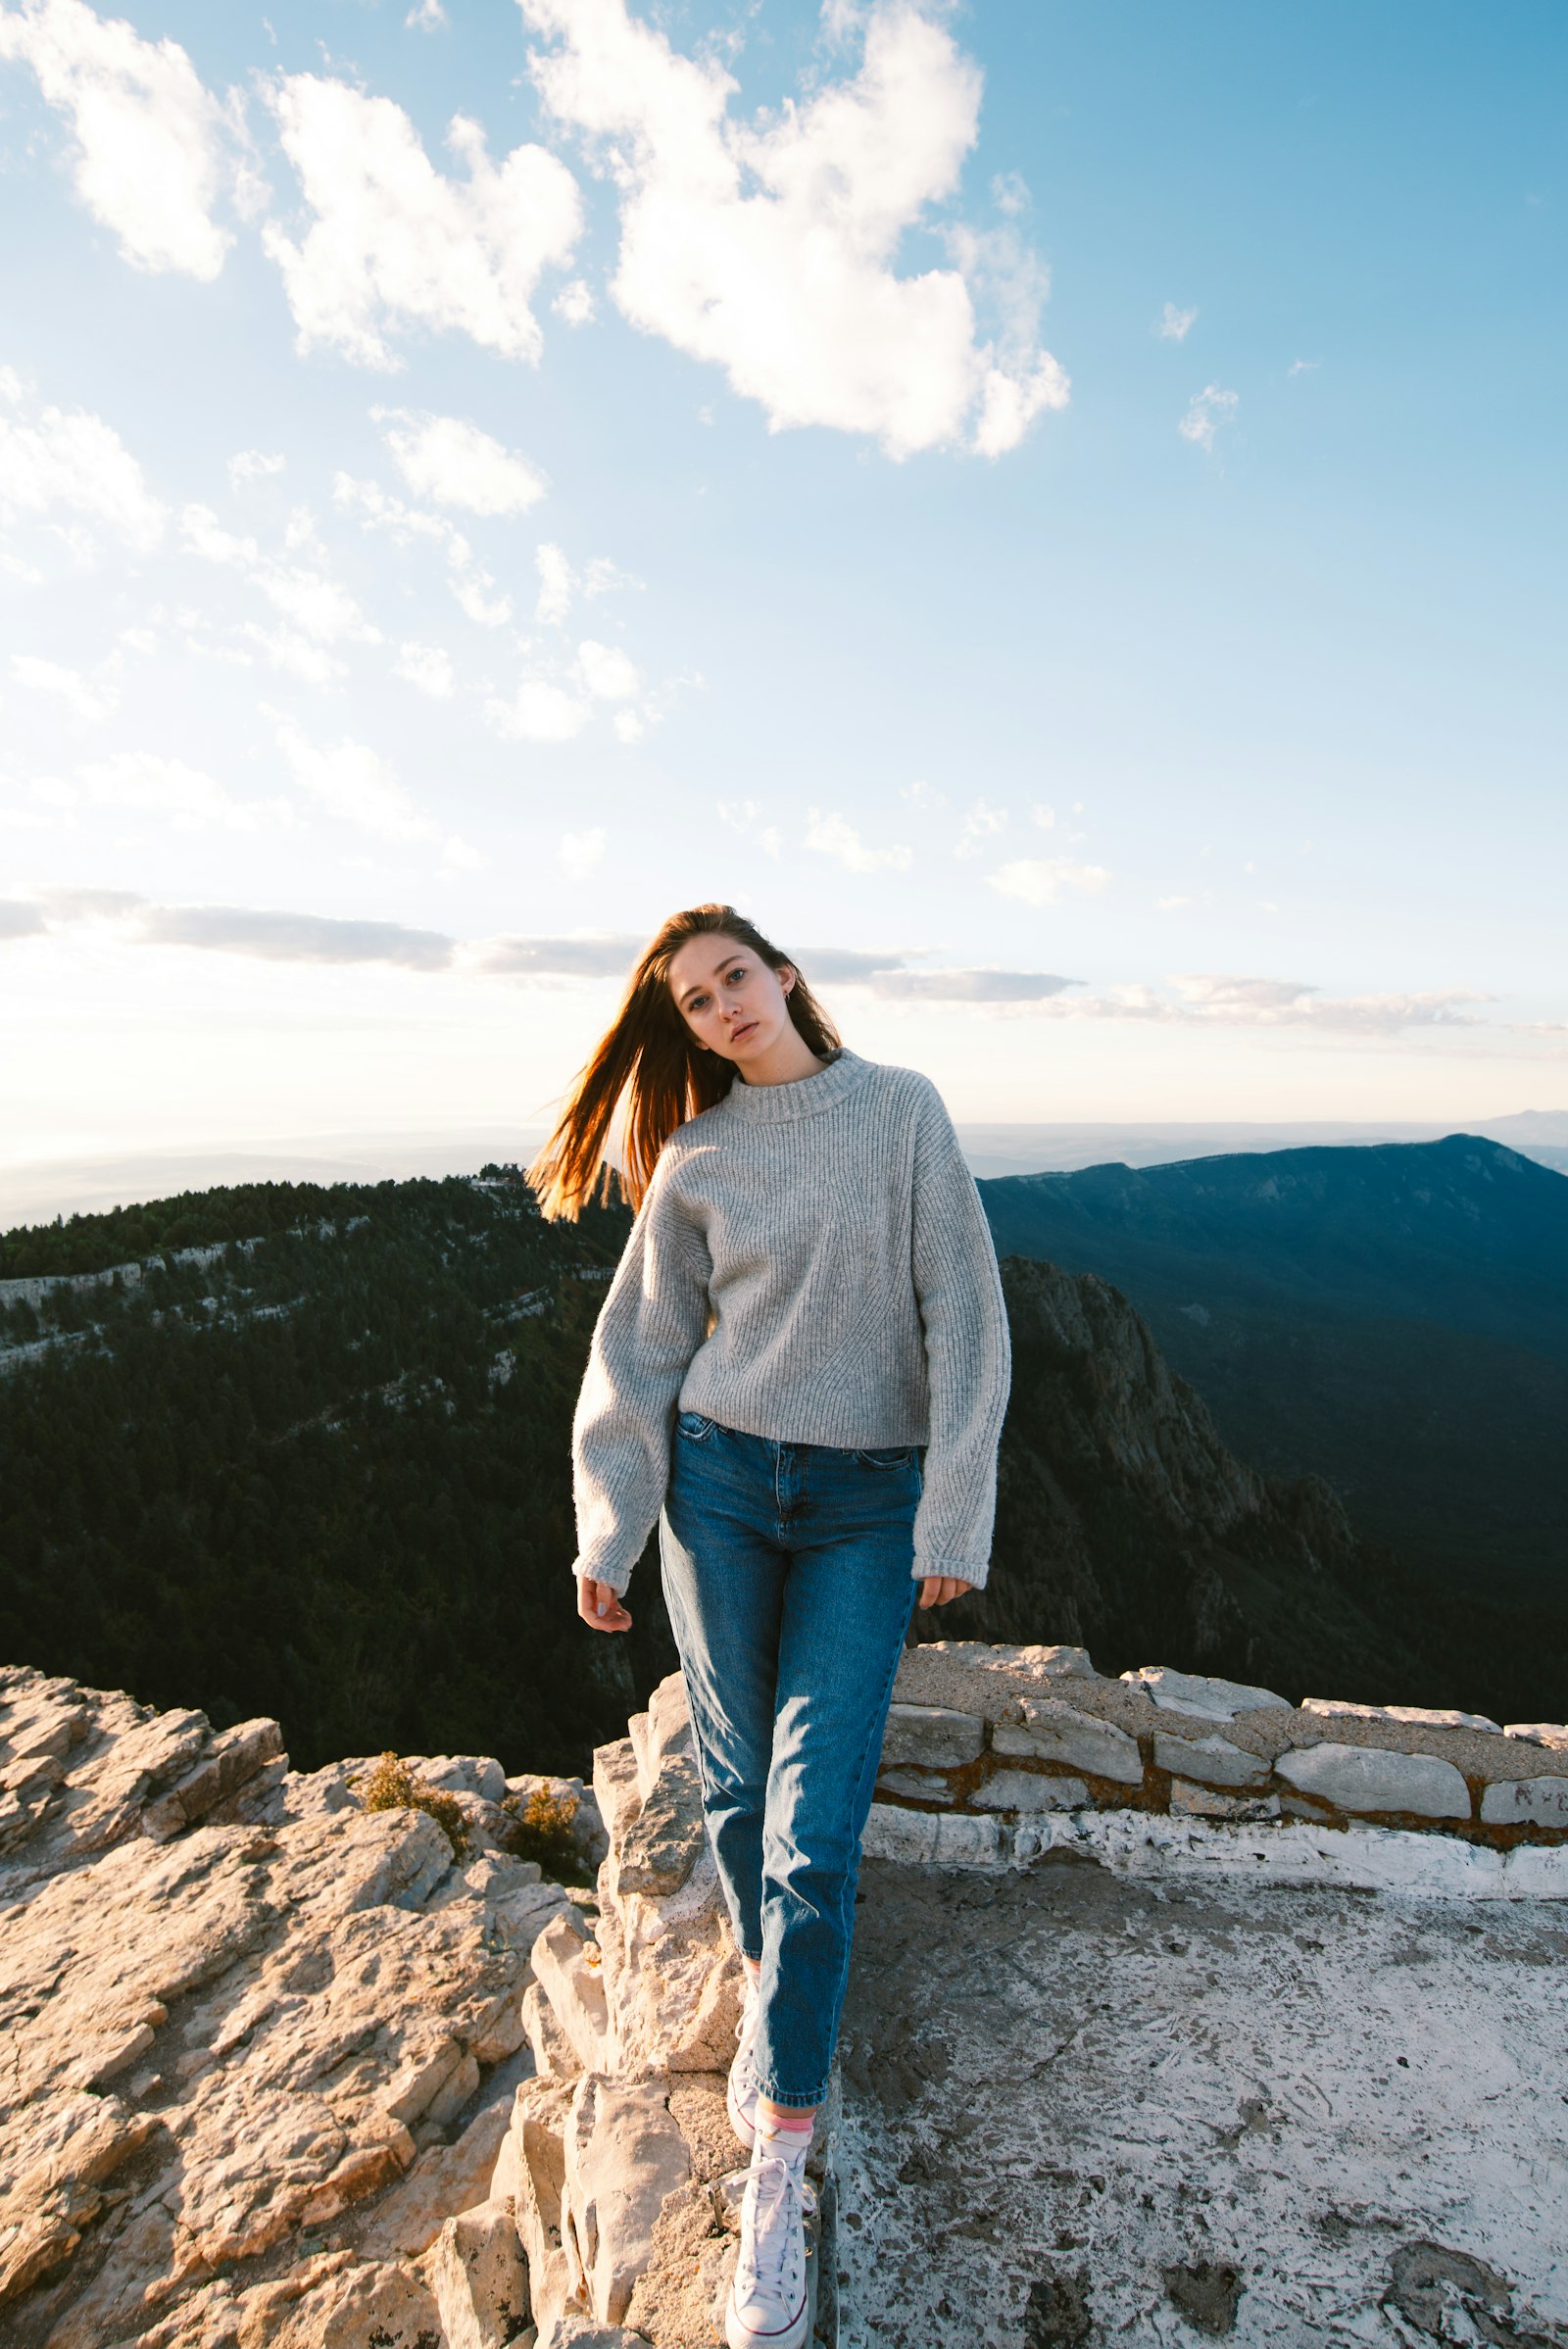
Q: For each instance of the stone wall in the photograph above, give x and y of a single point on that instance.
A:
(995, 1755)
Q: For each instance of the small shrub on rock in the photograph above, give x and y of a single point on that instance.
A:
(541, 1831)
(391, 1786)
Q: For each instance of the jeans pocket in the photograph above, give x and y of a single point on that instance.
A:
(895, 1455)
(694, 1426)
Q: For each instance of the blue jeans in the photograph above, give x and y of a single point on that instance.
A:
(787, 1569)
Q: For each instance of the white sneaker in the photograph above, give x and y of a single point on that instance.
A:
(744, 2088)
(768, 2300)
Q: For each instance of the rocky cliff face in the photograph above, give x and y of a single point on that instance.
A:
(1125, 1525)
(288, 2073)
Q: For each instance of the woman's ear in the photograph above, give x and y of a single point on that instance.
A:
(785, 975)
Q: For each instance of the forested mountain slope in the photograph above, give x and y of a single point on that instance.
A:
(1392, 1318)
(323, 1474)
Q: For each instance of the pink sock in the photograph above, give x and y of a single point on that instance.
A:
(785, 2140)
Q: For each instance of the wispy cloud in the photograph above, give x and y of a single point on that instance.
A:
(72, 462)
(453, 462)
(1207, 412)
(427, 666)
(293, 937)
(969, 986)
(606, 957)
(766, 246)
(19, 919)
(253, 465)
(150, 158)
(980, 825)
(832, 835)
(1175, 325)
(1045, 880)
(90, 697)
(394, 244)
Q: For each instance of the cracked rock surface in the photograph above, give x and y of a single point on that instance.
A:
(1284, 2117)
(261, 2045)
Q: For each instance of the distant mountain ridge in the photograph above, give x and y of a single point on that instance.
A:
(1393, 1318)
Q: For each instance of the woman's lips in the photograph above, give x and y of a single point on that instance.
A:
(740, 1034)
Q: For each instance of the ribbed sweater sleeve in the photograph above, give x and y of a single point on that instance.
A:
(651, 1323)
(968, 1356)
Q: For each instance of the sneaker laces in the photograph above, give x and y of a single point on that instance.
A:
(775, 2198)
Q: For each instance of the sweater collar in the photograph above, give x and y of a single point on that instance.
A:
(805, 1096)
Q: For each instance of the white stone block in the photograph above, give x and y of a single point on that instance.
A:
(932, 1838)
(1539, 1732)
(1415, 1716)
(915, 1785)
(1527, 1802)
(1213, 1760)
(932, 1736)
(1366, 1778)
(1030, 1790)
(1188, 1802)
(479, 2277)
(626, 2156)
(1053, 1732)
(1205, 1699)
(572, 1981)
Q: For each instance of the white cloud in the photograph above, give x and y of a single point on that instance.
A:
(1043, 816)
(606, 672)
(317, 609)
(356, 785)
(253, 464)
(425, 15)
(574, 304)
(1288, 1002)
(454, 464)
(1175, 325)
(922, 794)
(833, 836)
(1303, 366)
(1207, 411)
(582, 851)
(1170, 904)
(19, 919)
(590, 958)
(745, 817)
(539, 711)
(980, 825)
(293, 937)
(630, 725)
(91, 697)
(77, 462)
(768, 247)
(285, 650)
(150, 156)
(427, 666)
(554, 583)
(394, 244)
(469, 584)
(144, 784)
(1043, 880)
(968, 986)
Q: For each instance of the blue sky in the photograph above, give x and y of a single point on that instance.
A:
(1055, 511)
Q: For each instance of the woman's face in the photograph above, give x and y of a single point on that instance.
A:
(730, 998)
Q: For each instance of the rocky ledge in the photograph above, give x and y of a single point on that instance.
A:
(286, 2070)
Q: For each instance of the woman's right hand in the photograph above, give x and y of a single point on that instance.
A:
(600, 1606)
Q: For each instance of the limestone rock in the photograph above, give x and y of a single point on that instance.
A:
(1416, 1716)
(478, 2278)
(624, 2155)
(531, 2171)
(1030, 1790)
(1190, 1801)
(265, 2028)
(1204, 1699)
(1527, 1802)
(915, 1785)
(571, 1975)
(1367, 1777)
(1053, 1732)
(1215, 1761)
(937, 1838)
(932, 1736)
(1539, 1732)
(553, 2055)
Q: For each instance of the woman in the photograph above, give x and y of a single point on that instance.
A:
(808, 1296)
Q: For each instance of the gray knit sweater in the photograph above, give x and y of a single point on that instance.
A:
(811, 1264)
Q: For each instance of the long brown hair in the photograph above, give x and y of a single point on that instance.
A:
(649, 1054)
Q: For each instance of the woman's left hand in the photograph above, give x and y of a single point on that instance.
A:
(937, 1589)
